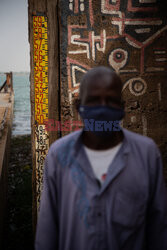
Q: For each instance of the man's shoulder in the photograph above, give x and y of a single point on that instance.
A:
(141, 141)
(133, 136)
(65, 142)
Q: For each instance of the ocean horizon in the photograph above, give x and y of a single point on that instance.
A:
(22, 111)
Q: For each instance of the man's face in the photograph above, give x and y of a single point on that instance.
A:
(105, 91)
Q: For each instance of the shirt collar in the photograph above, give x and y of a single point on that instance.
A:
(116, 166)
(125, 143)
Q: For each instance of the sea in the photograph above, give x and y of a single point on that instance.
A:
(22, 110)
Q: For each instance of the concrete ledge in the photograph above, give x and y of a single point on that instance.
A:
(6, 119)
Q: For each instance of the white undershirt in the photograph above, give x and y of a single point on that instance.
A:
(101, 159)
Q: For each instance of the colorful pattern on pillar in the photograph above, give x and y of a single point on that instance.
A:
(117, 39)
(128, 36)
(41, 97)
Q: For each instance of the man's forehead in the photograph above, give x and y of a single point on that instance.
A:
(100, 78)
(102, 81)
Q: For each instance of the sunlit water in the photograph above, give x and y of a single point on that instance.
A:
(21, 121)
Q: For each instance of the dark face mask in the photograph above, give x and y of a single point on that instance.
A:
(102, 120)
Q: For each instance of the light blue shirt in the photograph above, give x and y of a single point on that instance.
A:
(129, 211)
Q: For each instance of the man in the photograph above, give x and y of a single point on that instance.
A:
(103, 188)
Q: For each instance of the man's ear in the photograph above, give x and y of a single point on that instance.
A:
(77, 102)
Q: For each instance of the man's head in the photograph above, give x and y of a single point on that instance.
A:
(101, 86)
(100, 106)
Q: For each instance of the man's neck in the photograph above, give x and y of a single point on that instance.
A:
(101, 143)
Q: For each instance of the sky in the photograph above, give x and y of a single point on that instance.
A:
(14, 45)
